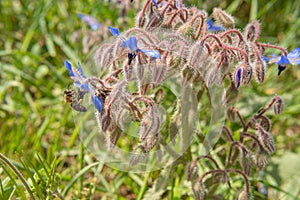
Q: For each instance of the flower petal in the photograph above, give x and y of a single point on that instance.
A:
(91, 21)
(114, 31)
(283, 60)
(130, 43)
(212, 27)
(79, 69)
(85, 87)
(152, 53)
(98, 103)
(155, 3)
(238, 76)
(294, 54)
(69, 68)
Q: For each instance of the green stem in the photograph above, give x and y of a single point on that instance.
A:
(18, 174)
(144, 188)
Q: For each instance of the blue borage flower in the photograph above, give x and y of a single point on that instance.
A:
(212, 27)
(131, 44)
(80, 82)
(155, 3)
(282, 61)
(91, 21)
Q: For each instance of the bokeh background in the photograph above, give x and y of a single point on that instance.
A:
(37, 131)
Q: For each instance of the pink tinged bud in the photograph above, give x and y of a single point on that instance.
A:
(252, 31)
(260, 68)
(278, 106)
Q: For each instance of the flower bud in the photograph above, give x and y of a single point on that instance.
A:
(260, 159)
(260, 68)
(186, 30)
(266, 140)
(252, 31)
(192, 171)
(278, 106)
(223, 18)
(244, 195)
(199, 190)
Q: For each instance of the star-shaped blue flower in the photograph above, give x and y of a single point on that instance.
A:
(131, 45)
(91, 21)
(212, 27)
(282, 61)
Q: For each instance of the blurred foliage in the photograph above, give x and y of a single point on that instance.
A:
(37, 130)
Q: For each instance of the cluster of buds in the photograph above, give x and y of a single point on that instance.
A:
(171, 40)
(255, 146)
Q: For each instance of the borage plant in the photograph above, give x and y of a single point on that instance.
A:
(154, 86)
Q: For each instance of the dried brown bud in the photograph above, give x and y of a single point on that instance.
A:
(223, 18)
(278, 106)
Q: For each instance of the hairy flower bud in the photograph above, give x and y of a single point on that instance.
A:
(230, 114)
(260, 68)
(252, 31)
(186, 30)
(223, 18)
(192, 171)
(278, 106)
(266, 139)
(244, 195)
(138, 155)
(260, 159)
(199, 190)
(264, 122)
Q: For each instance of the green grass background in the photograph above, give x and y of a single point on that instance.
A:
(37, 132)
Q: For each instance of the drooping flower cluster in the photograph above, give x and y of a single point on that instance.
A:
(171, 40)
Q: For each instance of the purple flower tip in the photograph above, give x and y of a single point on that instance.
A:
(114, 31)
(69, 68)
(91, 21)
(155, 3)
(238, 77)
(98, 103)
(212, 27)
